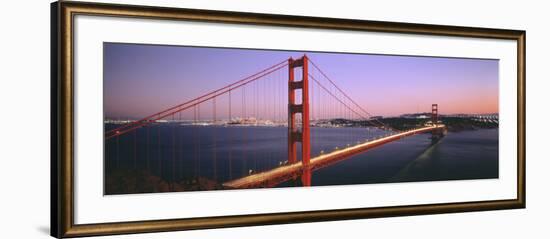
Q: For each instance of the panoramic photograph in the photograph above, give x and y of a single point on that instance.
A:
(192, 118)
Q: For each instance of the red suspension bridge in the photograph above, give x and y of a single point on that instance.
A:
(294, 93)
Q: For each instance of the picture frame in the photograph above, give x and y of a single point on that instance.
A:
(63, 120)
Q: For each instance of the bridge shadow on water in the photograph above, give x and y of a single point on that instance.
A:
(461, 155)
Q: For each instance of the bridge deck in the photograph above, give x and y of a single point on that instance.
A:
(283, 173)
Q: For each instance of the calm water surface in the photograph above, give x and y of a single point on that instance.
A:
(176, 152)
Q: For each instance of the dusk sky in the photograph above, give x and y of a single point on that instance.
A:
(143, 79)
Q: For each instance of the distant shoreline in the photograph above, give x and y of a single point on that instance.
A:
(454, 124)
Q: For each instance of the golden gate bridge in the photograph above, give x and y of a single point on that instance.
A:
(294, 93)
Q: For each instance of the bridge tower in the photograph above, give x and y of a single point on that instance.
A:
(440, 132)
(296, 134)
(434, 114)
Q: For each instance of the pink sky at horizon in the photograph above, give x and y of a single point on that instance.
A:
(143, 79)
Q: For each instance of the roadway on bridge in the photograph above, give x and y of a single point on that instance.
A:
(285, 172)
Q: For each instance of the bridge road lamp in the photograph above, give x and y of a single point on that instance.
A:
(294, 134)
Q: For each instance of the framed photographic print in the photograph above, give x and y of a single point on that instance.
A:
(172, 119)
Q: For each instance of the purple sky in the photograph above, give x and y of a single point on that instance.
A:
(143, 79)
